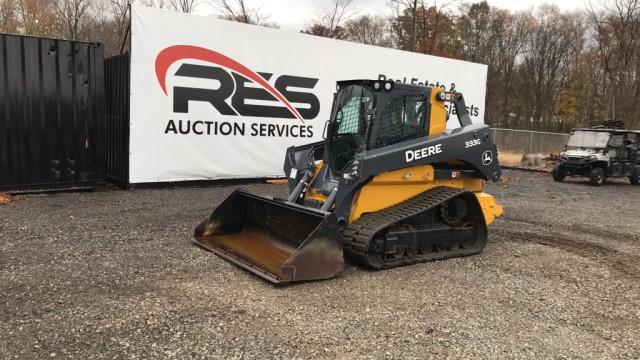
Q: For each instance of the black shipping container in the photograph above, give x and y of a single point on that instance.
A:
(117, 72)
(51, 114)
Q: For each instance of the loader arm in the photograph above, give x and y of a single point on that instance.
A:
(440, 148)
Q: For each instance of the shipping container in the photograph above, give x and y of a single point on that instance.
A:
(51, 114)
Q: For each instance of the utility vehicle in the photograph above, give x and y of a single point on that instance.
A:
(600, 154)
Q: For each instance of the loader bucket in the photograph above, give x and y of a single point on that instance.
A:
(279, 241)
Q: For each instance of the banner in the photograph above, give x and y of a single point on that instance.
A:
(214, 99)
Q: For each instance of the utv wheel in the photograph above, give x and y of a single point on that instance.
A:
(635, 176)
(597, 176)
(557, 174)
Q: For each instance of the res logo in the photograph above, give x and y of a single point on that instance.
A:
(237, 82)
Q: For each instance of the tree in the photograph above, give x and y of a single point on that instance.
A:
(547, 69)
(370, 30)
(474, 31)
(158, 4)
(8, 16)
(550, 52)
(238, 11)
(38, 18)
(509, 34)
(405, 8)
(185, 6)
(329, 24)
(428, 30)
(321, 30)
(120, 15)
(72, 14)
(617, 35)
(107, 20)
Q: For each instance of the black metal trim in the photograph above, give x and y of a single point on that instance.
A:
(117, 80)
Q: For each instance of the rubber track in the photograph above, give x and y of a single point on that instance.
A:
(357, 236)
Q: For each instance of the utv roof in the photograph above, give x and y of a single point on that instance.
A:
(616, 131)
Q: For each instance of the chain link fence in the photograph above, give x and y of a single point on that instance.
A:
(529, 142)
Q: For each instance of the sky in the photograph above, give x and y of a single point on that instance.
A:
(298, 14)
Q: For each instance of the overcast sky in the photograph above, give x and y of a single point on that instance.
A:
(297, 14)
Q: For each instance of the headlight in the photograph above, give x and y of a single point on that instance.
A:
(592, 157)
(376, 85)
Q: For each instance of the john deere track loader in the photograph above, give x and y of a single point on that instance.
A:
(390, 186)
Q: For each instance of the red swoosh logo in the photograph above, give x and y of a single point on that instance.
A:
(175, 53)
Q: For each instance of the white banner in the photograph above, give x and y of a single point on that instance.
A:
(213, 99)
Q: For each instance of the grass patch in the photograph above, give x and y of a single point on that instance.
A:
(510, 158)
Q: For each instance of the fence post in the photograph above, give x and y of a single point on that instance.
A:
(530, 143)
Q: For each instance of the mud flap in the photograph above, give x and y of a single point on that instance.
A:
(279, 241)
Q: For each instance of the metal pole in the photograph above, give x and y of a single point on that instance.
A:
(126, 33)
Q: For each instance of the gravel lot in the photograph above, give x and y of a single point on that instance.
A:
(113, 274)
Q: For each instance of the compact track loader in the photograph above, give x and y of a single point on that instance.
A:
(390, 186)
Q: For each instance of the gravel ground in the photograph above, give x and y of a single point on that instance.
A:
(112, 274)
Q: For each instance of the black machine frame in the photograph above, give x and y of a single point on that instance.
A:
(479, 160)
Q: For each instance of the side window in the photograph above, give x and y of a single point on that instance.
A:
(403, 118)
(415, 114)
(348, 117)
(616, 140)
(632, 140)
(353, 103)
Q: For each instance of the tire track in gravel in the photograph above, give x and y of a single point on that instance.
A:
(605, 234)
(589, 230)
(624, 263)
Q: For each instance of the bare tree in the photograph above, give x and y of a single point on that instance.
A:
(38, 18)
(8, 16)
(121, 18)
(474, 31)
(108, 20)
(371, 30)
(185, 6)
(329, 24)
(436, 20)
(547, 69)
(238, 10)
(509, 34)
(426, 27)
(339, 11)
(550, 52)
(72, 14)
(617, 37)
(401, 8)
(159, 4)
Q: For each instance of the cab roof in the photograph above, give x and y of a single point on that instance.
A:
(396, 85)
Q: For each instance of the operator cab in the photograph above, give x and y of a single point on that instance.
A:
(367, 115)
(373, 114)
(370, 116)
